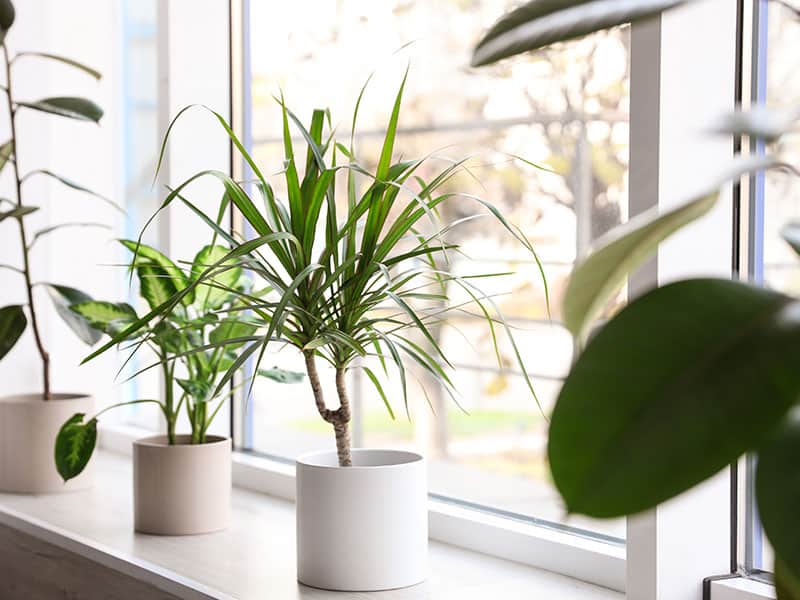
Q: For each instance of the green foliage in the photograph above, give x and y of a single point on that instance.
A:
(12, 324)
(63, 298)
(81, 109)
(74, 446)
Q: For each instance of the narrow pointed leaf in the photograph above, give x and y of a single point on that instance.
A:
(6, 150)
(18, 212)
(62, 59)
(71, 107)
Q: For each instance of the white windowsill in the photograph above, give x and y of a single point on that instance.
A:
(741, 588)
(255, 557)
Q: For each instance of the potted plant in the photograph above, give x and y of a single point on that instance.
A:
(715, 359)
(350, 281)
(181, 481)
(29, 422)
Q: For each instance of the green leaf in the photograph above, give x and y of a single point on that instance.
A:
(62, 59)
(12, 324)
(209, 295)
(778, 492)
(48, 230)
(6, 150)
(602, 274)
(7, 15)
(228, 330)
(282, 375)
(74, 446)
(678, 385)
(198, 390)
(145, 253)
(108, 317)
(18, 212)
(787, 586)
(167, 337)
(63, 297)
(75, 186)
(539, 23)
(155, 284)
(791, 234)
(80, 109)
(379, 388)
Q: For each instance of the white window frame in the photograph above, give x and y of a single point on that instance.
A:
(672, 548)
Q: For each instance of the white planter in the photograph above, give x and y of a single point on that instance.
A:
(28, 430)
(182, 489)
(365, 527)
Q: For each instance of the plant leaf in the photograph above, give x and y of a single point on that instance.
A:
(778, 492)
(75, 186)
(791, 234)
(379, 388)
(155, 284)
(228, 330)
(282, 375)
(12, 324)
(71, 107)
(63, 297)
(787, 586)
(198, 389)
(539, 23)
(7, 15)
(6, 150)
(603, 273)
(74, 446)
(678, 385)
(150, 254)
(108, 317)
(62, 59)
(209, 295)
(760, 122)
(18, 212)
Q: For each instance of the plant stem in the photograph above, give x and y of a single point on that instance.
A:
(26, 269)
(169, 411)
(339, 418)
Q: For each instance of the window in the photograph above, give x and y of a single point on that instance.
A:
(566, 107)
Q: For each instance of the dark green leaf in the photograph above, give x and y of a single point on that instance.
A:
(167, 337)
(198, 390)
(63, 297)
(787, 586)
(778, 492)
(80, 109)
(74, 446)
(62, 59)
(12, 324)
(108, 317)
(7, 15)
(679, 384)
(539, 23)
(282, 375)
(145, 253)
(18, 212)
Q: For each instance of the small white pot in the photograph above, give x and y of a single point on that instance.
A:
(365, 527)
(181, 489)
(28, 429)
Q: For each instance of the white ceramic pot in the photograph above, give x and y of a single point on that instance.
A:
(28, 429)
(365, 527)
(181, 489)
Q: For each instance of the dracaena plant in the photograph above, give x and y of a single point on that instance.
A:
(350, 276)
(195, 344)
(716, 361)
(14, 319)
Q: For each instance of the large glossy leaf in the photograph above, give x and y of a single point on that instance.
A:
(81, 109)
(63, 59)
(539, 23)
(108, 317)
(17, 212)
(599, 277)
(7, 15)
(213, 295)
(63, 297)
(74, 446)
(675, 387)
(155, 284)
(778, 492)
(229, 330)
(145, 253)
(12, 324)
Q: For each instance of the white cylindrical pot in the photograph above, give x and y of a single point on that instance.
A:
(365, 527)
(28, 429)
(181, 489)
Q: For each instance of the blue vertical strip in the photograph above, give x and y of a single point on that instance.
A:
(759, 97)
(247, 141)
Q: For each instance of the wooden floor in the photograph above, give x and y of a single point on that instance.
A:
(66, 545)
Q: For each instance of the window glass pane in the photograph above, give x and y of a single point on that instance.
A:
(567, 108)
(776, 265)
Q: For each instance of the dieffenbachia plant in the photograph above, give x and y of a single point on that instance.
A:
(195, 344)
(350, 276)
(716, 362)
(14, 318)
